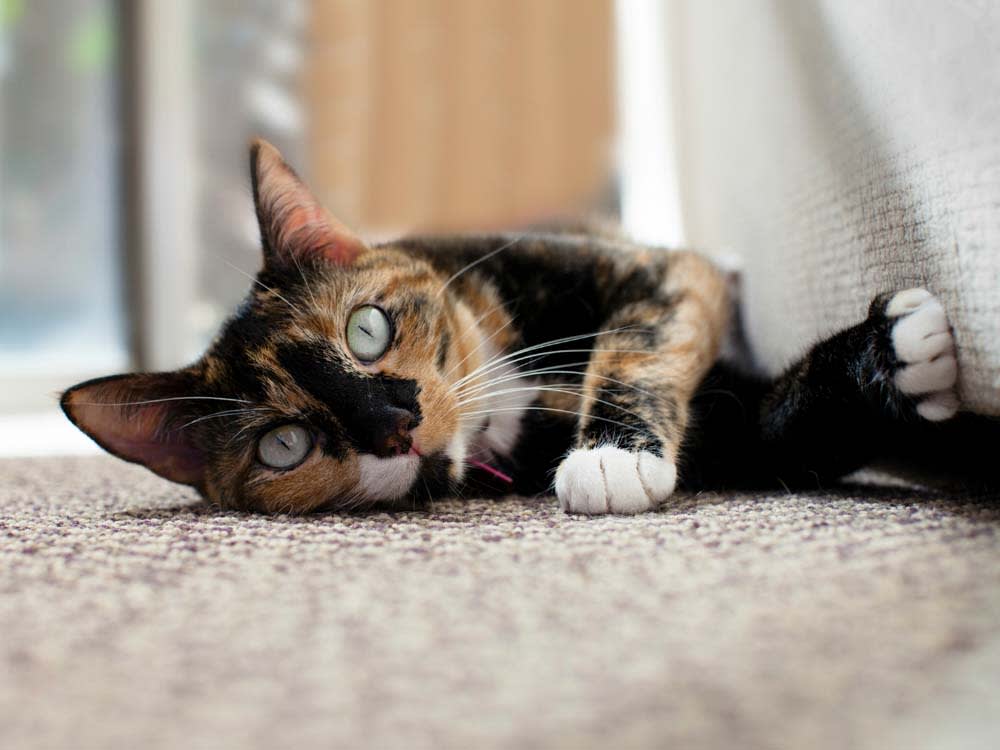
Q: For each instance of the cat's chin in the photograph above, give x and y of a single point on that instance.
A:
(387, 479)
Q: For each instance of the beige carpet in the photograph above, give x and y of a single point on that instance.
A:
(867, 618)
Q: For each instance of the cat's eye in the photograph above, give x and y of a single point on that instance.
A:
(368, 333)
(285, 446)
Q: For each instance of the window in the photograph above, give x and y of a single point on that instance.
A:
(61, 314)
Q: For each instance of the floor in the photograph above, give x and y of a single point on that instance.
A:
(132, 615)
(43, 432)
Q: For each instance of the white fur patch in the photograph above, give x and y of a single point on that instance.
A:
(939, 406)
(922, 340)
(907, 301)
(387, 478)
(457, 451)
(504, 427)
(611, 480)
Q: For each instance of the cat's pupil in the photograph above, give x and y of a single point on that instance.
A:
(284, 447)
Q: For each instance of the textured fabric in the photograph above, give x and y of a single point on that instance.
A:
(131, 615)
(845, 149)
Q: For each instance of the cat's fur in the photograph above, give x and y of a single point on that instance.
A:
(578, 361)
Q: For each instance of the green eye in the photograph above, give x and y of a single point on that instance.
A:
(368, 333)
(284, 447)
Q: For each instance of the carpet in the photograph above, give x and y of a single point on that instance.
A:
(133, 615)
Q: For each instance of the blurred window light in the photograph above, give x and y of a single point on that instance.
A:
(649, 184)
(61, 306)
(246, 69)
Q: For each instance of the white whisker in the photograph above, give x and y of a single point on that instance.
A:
(305, 281)
(559, 370)
(482, 341)
(490, 364)
(477, 261)
(552, 389)
(230, 413)
(555, 410)
(263, 285)
(161, 400)
(571, 351)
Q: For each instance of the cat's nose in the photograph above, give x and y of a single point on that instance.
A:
(392, 436)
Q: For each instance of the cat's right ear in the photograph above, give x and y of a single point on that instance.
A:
(294, 226)
(141, 418)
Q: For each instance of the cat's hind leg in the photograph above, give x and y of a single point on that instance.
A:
(862, 394)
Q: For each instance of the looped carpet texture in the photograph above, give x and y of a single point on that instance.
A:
(133, 615)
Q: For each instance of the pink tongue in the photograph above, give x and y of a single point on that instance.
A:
(490, 470)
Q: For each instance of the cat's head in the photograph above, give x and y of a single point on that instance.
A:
(330, 387)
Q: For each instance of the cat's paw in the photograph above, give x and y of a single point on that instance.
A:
(925, 353)
(603, 480)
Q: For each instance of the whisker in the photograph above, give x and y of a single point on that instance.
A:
(305, 281)
(483, 340)
(542, 346)
(427, 492)
(569, 351)
(262, 284)
(555, 390)
(550, 388)
(162, 400)
(490, 364)
(558, 371)
(477, 261)
(486, 366)
(230, 413)
(555, 410)
(243, 429)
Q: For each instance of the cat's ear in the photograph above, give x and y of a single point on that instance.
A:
(140, 418)
(293, 224)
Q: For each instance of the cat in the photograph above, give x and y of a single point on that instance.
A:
(572, 361)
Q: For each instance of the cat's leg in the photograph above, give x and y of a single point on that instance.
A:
(645, 367)
(842, 405)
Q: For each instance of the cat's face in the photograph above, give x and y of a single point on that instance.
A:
(333, 386)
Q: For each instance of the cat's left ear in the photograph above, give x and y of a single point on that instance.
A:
(142, 418)
(294, 226)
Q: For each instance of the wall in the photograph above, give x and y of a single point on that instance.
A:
(459, 114)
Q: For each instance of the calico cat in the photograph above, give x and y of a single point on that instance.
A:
(508, 363)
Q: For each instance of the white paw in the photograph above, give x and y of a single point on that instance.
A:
(612, 480)
(922, 341)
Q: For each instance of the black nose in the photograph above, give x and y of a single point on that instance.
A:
(392, 432)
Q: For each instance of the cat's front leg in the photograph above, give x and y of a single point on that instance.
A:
(643, 371)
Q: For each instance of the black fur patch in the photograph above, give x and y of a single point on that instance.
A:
(360, 402)
(614, 419)
(444, 344)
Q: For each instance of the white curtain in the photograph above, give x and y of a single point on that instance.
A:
(843, 148)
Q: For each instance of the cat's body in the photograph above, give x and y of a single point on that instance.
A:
(505, 363)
